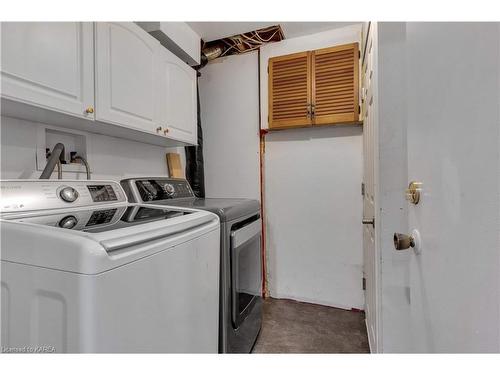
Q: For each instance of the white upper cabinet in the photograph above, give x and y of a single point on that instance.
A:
(51, 70)
(179, 99)
(127, 76)
(49, 65)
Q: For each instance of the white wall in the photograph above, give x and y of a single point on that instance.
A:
(112, 158)
(229, 100)
(313, 215)
(313, 199)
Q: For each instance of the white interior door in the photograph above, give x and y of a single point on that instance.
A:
(453, 142)
(369, 244)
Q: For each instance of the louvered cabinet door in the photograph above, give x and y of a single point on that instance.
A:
(335, 85)
(290, 91)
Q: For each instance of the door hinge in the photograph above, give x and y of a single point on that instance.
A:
(364, 283)
(359, 54)
(268, 69)
(363, 189)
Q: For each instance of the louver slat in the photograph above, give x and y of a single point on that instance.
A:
(335, 84)
(289, 90)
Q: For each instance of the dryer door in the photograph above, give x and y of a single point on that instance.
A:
(246, 269)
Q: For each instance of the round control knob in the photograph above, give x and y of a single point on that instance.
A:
(68, 222)
(68, 194)
(169, 188)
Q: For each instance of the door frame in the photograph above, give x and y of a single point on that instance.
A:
(375, 343)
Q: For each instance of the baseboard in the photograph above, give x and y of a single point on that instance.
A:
(315, 301)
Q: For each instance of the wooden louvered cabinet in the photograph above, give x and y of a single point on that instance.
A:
(335, 85)
(290, 90)
(314, 88)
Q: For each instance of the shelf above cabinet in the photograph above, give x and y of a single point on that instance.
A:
(178, 38)
(273, 130)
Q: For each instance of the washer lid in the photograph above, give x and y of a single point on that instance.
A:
(133, 232)
(178, 192)
(228, 209)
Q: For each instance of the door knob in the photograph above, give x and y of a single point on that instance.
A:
(158, 129)
(369, 221)
(405, 241)
(89, 110)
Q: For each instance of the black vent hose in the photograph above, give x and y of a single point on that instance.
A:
(195, 173)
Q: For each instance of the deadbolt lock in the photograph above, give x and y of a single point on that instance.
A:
(413, 192)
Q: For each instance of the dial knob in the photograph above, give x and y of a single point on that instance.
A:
(68, 222)
(169, 188)
(68, 194)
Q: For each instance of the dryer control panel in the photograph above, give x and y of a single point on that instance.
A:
(152, 189)
(29, 195)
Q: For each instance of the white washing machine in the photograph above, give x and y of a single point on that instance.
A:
(85, 271)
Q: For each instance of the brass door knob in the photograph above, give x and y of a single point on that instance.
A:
(89, 110)
(405, 241)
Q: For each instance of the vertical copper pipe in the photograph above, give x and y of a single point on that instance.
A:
(262, 149)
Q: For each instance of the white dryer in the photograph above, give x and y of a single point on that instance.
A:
(85, 271)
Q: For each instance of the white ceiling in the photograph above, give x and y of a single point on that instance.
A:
(209, 31)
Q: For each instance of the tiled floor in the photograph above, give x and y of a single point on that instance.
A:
(297, 327)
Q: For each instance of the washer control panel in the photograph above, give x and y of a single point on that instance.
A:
(79, 219)
(102, 193)
(158, 189)
(28, 195)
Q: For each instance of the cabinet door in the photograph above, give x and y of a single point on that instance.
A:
(49, 64)
(126, 75)
(179, 101)
(335, 84)
(289, 91)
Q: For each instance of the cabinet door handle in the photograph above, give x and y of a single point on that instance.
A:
(158, 129)
(165, 131)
